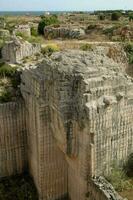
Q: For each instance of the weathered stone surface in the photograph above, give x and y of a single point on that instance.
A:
(64, 32)
(2, 23)
(75, 121)
(4, 33)
(17, 49)
(80, 112)
(24, 29)
(100, 189)
(13, 138)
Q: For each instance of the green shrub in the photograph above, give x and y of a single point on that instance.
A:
(2, 18)
(7, 70)
(46, 21)
(129, 50)
(19, 34)
(119, 180)
(110, 32)
(131, 17)
(32, 39)
(34, 32)
(101, 17)
(22, 35)
(86, 47)
(92, 26)
(129, 47)
(1, 43)
(12, 73)
(115, 16)
(41, 26)
(49, 49)
(129, 166)
(5, 96)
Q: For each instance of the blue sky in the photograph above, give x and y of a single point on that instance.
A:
(56, 5)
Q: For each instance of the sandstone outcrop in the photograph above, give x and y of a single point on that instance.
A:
(64, 32)
(17, 49)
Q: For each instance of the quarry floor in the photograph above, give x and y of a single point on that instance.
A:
(18, 187)
(127, 194)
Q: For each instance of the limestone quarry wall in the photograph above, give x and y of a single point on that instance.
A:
(16, 50)
(115, 143)
(79, 122)
(63, 32)
(64, 100)
(74, 123)
(23, 29)
(13, 138)
(47, 162)
(110, 122)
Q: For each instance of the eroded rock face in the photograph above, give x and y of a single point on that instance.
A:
(100, 188)
(23, 29)
(4, 33)
(64, 32)
(17, 49)
(13, 138)
(2, 23)
(80, 111)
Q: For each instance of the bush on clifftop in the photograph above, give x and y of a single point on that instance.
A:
(9, 83)
(49, 49)
(115, 16)
(101, 17)
(7, 70)
(129, 50)
(34, 32)
(46, 21)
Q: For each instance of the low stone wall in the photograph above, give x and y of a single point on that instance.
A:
(63, 32)
(100, 189)
(13, 138)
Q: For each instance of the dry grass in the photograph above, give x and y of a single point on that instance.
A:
(22, 19)
(73, 44)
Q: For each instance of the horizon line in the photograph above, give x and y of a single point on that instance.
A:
(65, 10)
